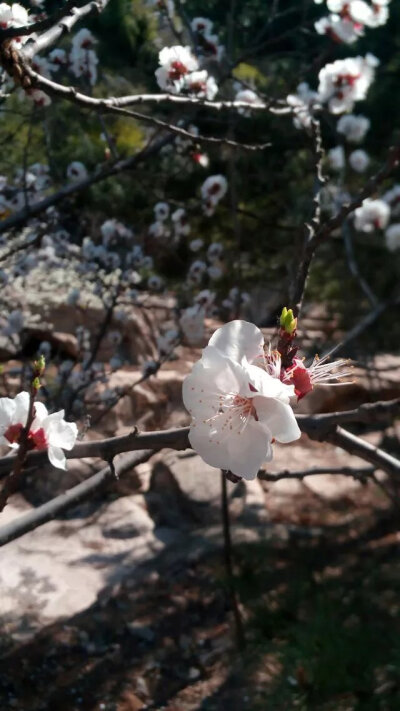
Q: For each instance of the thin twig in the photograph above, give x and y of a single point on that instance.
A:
(240, 638)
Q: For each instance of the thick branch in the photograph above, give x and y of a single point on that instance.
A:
(355, 445)
(54, 508)
(114, 106)
(62, 26)
(40, 26)
(359, 474)
(315, 426)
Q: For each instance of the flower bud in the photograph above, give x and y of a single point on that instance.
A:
(287, 321)
(39, 366)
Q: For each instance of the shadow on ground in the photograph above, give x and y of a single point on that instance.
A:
(322, 628)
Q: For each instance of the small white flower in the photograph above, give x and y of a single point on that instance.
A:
(214, 188)
(372, 215)
(346, 81)
(196, 244)
(214, 252)
(359, 160)
(392, 237)
(192, 324)
(336, 158)
(175, 63)
(302, 104)
(49, 432)
(57, 59)
(353, 128)
(180, 221)
(246, 96)
(237, 409)
(341, 29)
(214, 272)
(202, 25)
(77, 171)
(161, 211)
(200, 84)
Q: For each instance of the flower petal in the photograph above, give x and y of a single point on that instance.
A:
(212, 378)
(57, 457)
(60, 433)
(7, 411)
(249, 450)
(238, 340)
(278, 417)
(21, 408)
(267, 385)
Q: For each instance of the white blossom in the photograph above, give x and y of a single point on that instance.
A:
(202, 25)
(247, 96)
(214, 188)
(47, 432)
(372, 215)
(392, 197)
(200, 84)
(192, 324)
(359, 160)
(392, 237)
(302, 104)
(77, 171)
(237, 409)
(180, 222)
(161, 211)
(175, 63)
(336, 158)
(196, 244)
(346, 81)
(353, 128)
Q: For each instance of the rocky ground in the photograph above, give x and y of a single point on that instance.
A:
(124, 603)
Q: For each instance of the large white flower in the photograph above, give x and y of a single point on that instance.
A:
(49, 432)
(237, 408)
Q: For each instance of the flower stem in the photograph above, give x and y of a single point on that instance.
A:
(240, 638)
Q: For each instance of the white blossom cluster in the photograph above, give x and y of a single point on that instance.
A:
(348, 19)
(179, 71)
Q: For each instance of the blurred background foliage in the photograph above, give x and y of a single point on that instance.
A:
(271, 189)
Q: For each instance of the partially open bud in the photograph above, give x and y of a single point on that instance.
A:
(287, 321)
(39, 366)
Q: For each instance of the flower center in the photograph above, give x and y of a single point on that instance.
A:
(37, 440)
(177, 70)
(245, 405)
(346, 80)
(13, 433)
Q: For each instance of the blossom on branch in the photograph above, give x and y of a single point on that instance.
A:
(47, 432)
(237, 408)
(359, 160)
(345, 81)
(372, 215)
(176, 63)
(392, 237)
(353, 127)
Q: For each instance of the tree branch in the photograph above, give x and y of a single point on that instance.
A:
(63, 25)
(54, 508)
(108, 171)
